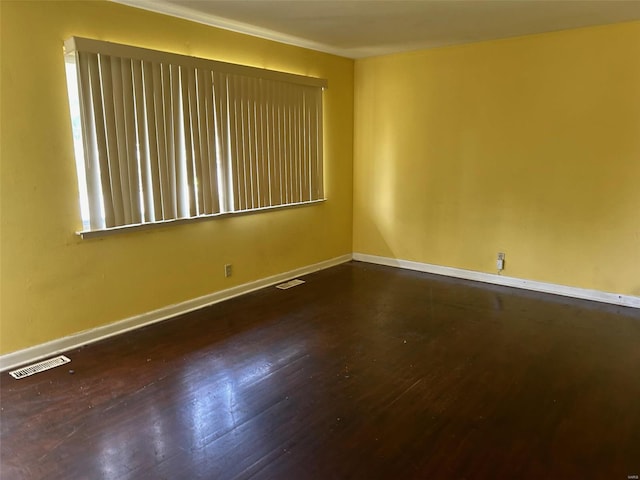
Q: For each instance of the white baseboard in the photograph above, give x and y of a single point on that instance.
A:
(54, 347)
(59, 345)
(583, 293)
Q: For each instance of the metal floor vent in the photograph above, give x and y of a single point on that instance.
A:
(39, 367)
(290, 283)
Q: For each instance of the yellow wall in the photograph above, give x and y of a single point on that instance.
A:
(53, 283)
(528, 145)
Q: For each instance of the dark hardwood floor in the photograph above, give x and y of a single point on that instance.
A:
(363, 372)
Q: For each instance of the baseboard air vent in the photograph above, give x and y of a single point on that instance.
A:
(290, 283)
(39, 367)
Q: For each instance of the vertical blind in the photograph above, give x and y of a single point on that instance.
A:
(168, 136)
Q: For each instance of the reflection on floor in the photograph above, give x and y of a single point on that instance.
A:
(362, 372)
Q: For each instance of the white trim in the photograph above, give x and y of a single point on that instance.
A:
(583, 293)
(55, 347)
(187, 13)
(60, 345)
(137, 227)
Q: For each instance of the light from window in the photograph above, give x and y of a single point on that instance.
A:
(74, 107)
(160, 137)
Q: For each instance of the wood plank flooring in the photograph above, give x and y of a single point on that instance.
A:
(363, 372)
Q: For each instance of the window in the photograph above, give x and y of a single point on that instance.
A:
(167, 137)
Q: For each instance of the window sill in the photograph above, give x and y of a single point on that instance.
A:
(88, 234)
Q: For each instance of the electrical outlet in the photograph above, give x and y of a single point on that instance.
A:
(500, 261)
(227, 270)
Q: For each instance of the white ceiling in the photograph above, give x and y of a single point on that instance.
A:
(362, 28)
